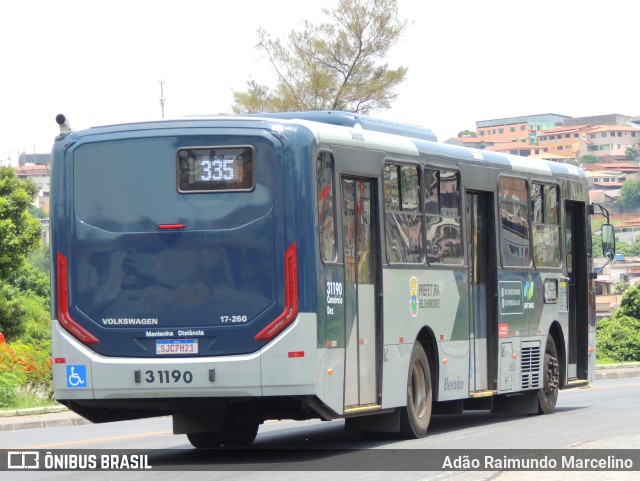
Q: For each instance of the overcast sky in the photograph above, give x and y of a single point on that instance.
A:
(99, 62)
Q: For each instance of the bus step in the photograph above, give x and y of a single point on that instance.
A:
(573, 383)
(479, 394)
(359, 409)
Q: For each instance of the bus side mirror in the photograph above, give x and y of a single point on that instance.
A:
(608, 241)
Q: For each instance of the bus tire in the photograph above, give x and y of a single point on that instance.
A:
(415, 416)
(204, 440)
(548, 393)
(238, 434)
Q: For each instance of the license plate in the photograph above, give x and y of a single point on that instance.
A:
(176, 346)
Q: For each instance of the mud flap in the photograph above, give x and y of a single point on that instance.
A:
(383, 423)
(521, 403)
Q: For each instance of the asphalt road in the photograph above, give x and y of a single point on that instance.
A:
(603, 416)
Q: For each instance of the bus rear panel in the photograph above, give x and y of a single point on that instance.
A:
(173, 271)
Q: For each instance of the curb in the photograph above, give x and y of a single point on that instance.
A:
(39, 417)
(32, 411)
(617, 373)
(44, 423)
(618, 370)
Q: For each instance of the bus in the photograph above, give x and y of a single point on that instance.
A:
(312, 265)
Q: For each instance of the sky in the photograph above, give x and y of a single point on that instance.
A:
(100, 62)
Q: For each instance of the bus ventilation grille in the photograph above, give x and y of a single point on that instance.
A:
(530, 367)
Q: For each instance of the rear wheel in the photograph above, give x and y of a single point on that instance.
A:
(238, 433)
(415, 416)
(204, 440)
(548, 393)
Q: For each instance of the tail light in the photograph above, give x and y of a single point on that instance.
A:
(63, 305)
(291, 298)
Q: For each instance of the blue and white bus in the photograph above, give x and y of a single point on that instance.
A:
(232, 270)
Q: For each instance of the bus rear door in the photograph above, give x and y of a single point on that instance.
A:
(361, 264)
(482, 282)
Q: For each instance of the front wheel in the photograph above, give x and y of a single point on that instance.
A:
(415, 416)
(548, 393)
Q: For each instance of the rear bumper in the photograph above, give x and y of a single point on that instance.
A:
(285, 366)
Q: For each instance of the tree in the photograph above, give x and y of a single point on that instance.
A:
(630, 303)
(632, 153)
(467, 133)
(589, 159)
(331, 66)
(618, 338)
(19, 235)
(19, 231)
(630, 194)
(621, 286)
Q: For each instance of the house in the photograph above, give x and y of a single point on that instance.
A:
(564, 141)
(606, 180)
(629, 169)
(40, 174)
(518, 129)
(629, 231)
(609, 141)
(524, 149)
(606, 198)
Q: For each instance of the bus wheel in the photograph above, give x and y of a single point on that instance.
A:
(415, 416)
(204, 440)
(238, 433)
(548, 393)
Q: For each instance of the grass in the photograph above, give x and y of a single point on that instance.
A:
(27, 396)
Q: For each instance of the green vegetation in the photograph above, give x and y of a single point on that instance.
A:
(335, 65)
(630, 195)
(623, 248)
(632, 153)
(25, 370)
(589, 159)
(19, 230)
(467, 133)
(618, 337)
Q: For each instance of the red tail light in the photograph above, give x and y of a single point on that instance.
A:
(63, 305)
(171, 226)
(291, 298)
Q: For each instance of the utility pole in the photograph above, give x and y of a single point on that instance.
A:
(161, 82)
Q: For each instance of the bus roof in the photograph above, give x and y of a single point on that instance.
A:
(343, 127)
(350, 119)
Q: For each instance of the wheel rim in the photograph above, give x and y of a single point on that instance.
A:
(552, 378)
(418, 390)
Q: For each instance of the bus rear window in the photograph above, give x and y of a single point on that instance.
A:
(215, 169)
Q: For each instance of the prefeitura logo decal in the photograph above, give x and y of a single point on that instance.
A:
(413, 303)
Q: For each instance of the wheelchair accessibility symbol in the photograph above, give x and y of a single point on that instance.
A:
(76, 376)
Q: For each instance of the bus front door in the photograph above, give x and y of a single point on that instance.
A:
(482, 284)
(361, 293)
(578, 287)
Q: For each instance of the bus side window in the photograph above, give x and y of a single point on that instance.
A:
(326, 217)
(442, 206)
(514, 222)
(546, 226)
(403, 219)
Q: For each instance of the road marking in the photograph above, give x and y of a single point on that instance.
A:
(97, 440)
